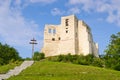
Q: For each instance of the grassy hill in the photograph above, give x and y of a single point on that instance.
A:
(5, 68)
(46, 70)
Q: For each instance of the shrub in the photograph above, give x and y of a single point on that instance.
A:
(60, 58)
(27, 59)
(69, 58)
(98, 62)
(38, 56)
(79, 59)
(117, 67)
(42, 56)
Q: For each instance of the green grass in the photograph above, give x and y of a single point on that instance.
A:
(4, 69)
(46, 70)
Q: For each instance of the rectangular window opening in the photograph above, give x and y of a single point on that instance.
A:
(54, 31)
(66, 22)
(66, 31)
(49, 31)
(53, 39)
(59, 38)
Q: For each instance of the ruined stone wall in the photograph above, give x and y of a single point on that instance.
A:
(67, 35)
(51, 40)
(71, 36)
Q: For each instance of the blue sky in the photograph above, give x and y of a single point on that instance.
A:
(21, 20)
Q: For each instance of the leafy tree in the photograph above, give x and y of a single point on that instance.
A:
(8, 54)
(38, 56)
(112, 57)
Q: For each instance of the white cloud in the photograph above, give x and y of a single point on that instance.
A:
(111, 7)
(72, 2)
(14, 28)
(85, 4)
(74, 10)
(42, 1)
(56, 11)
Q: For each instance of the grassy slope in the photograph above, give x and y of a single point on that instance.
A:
(65, 71)
(4, 69)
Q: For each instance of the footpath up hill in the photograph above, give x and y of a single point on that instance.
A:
(46, 70)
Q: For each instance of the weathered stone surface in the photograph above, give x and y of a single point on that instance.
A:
(71, 36)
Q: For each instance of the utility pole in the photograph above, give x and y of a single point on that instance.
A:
(33, 41)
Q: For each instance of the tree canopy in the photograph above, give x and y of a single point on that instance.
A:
(8, 54)
(113, 48)
(112, 56)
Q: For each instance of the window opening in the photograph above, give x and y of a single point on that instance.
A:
(66, 31)
(59, 38)
(66, 22)
(53, 39)
(54, 31)
(49, 31)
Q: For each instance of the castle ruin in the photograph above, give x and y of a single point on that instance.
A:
(71, 36)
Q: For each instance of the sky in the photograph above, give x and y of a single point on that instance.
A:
(21, 20)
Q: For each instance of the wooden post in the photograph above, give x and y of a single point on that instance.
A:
(33, 41)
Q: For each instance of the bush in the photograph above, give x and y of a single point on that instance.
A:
(42, 56)
(28, 59)
(79, 59)
(65, 58)
(98, 62)
(69, 58)
(60, 58)
(38, 56)
(117, 67)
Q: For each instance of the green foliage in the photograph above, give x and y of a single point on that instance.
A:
(5, 68)
(112, 57)
(113, 48)
(7, 54)
(65, 58)
(98, 62)
(28, 58)
(46, 70)
(38, 56)
(79, 59)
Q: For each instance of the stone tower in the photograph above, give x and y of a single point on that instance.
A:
(71, 36)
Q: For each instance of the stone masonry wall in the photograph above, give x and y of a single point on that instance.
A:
(71, 36)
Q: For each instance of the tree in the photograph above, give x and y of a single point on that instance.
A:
(8, 54)
(38, 56)
(112, 57)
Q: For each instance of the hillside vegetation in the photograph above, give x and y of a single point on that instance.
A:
(8, 54)
(47, 70)
(5, 68)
